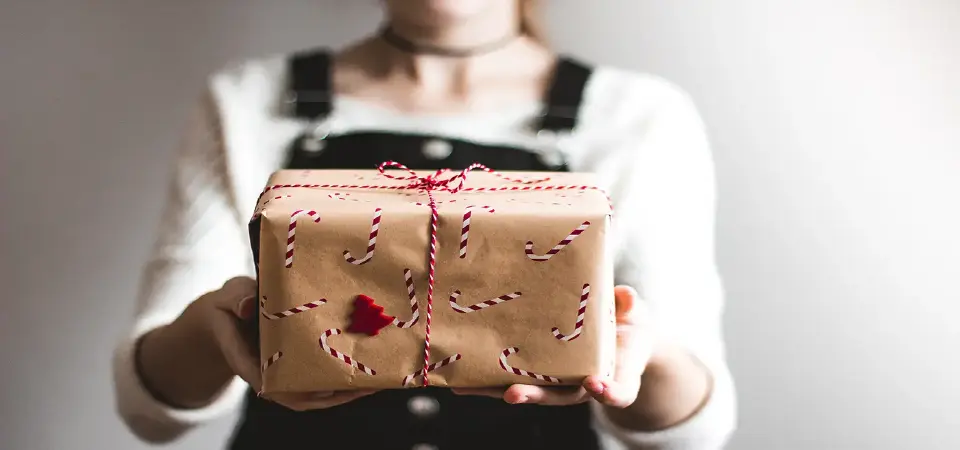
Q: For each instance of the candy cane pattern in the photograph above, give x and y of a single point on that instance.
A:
(503, 364)
(270, 361)
(371, 245)
(407, 379)
(465, 228)
(484, 304)
(264, 205)
(414, 307)
(276, 198)
(342, 357)
(292, 231)
(581, 189)
(581, 311)
(292, 311)
(521, 202)
(556, 249)
(341, 196)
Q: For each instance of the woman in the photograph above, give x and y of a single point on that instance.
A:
(445, 83)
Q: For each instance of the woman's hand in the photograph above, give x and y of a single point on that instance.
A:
(188, 362)
(635, 345)
(675, 385)
(237, 302)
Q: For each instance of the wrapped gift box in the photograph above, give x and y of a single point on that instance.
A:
(522, 292)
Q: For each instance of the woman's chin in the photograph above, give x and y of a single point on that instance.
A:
(438, 12)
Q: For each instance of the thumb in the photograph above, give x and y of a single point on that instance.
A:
(238, 296)
(628, 305)
(245, 307)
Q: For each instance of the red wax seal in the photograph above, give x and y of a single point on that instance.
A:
(368, 317)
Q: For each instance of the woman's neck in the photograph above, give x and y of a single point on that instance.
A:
(449, 57)
(516, 68)
(442, 73)
(478, 32)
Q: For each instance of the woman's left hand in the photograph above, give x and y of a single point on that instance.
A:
(635, 345)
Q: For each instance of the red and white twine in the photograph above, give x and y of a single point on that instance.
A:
(342, 357)
(431, 281)
(409, 378)
(478, 306)
(440, 202)
(507, 367)
(581, 312)
(292, 231)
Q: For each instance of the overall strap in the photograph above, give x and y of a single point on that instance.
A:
(565, 95)
(310, 84)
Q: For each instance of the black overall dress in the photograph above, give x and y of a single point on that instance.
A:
(419, 418)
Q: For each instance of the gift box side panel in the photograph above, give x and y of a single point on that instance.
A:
(251, 328)
(606, 317)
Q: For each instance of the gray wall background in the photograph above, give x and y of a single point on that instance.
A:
(836, 125)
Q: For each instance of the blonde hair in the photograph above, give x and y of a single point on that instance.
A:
(531, 23)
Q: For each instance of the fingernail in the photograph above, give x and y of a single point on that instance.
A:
(593, 386)
(245, 307)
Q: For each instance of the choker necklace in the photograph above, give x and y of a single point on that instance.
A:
(404, 44)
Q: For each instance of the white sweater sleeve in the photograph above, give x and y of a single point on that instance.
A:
(664, 198)
(201, 244)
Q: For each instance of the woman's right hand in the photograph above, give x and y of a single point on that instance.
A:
(228, 308)
(187, 362)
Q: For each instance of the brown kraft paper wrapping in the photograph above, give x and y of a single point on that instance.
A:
(338, 220)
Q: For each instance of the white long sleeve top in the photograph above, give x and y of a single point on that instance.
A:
(640, 132)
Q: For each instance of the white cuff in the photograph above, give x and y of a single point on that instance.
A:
(709, 429)
(150, 419)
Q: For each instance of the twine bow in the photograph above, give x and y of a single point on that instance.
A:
(430, 184)
(453, 184)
